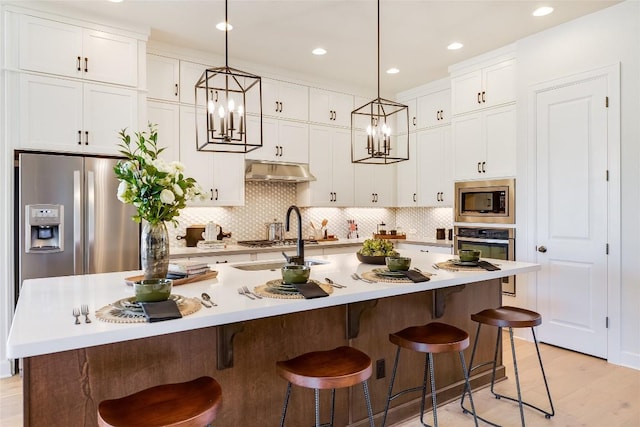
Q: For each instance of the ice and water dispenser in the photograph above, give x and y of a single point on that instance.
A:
(44, 231)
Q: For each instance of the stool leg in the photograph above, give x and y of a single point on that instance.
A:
(317, 395)
(515, 370)
(367, 399)
(471, 367)
(495, 362)
(286, 403)
(547, 415)
(333, 405)
(467, 387)
(433, 391)
(424, 387)
(393, 378)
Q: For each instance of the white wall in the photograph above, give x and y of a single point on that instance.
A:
(604, 38)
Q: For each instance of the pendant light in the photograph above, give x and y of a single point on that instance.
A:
(376, 137)
(224, 96)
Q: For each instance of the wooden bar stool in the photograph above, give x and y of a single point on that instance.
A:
(190, 404)
(337, 368)
(431, 338)
(509, 317)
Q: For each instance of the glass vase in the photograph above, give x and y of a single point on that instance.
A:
(154, 250)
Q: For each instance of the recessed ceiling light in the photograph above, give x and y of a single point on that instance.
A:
(542, 11)
(455, 46)
(224, 26)
(319, 51)
(393, 70)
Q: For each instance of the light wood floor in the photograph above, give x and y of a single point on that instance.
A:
(586, 391)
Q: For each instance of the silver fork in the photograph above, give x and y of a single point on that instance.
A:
(76, 313)
(357, 277)
(241, 292)
(248, 292)
(85, 312)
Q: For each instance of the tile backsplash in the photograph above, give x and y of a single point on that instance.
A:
(266, 201)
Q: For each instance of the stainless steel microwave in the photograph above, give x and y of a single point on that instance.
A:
(490, 201)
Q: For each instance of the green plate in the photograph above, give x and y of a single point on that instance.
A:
(385, 272)
(464, 263)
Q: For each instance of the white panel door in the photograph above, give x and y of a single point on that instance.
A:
(166, 117)
(572, 191)
(197, 164)
(163, 78)
(110, 58)
(407, 177)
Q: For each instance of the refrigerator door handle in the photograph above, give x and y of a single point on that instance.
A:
(77, 224)
(91, 219)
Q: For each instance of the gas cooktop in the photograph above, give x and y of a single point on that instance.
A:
(273, 243)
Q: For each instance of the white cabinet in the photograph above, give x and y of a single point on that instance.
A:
(489, 86)
(330, 163)
(331, 108)
(166, 117)
(407, 177)
(163, 78)
(434, 109)
(375, 185)
(221, 175)
(190, 73)
(282, 140)
(66, 115)
(66, 50)
(434, 174)
(282, 100)
(484, 144)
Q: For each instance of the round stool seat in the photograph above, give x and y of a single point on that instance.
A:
(508, 317)
(431, 338)
(337, 368)
(189, 404)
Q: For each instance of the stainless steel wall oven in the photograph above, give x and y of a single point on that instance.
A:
(496, 243)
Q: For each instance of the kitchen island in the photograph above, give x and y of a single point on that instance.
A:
(68, 369)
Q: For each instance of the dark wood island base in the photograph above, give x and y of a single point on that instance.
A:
(65, 388)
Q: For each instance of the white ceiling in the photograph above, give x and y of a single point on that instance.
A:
(414, 34)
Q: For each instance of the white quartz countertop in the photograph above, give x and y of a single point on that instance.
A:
(179, 252)
(43, 321)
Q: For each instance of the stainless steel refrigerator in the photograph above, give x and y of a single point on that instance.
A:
(70, 219)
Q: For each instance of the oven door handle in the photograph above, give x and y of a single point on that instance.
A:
(475, 239)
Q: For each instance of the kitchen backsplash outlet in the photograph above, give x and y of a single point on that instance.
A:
(266, 201)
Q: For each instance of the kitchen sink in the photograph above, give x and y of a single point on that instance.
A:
(272, 265)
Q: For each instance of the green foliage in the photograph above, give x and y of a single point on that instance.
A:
(377, 247)
(157, 189)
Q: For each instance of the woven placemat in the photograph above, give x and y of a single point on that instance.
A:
(451, 266)
(127, 311)
(373, 275)
(266, 290)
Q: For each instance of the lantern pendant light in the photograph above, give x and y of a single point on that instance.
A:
(375, 134)
(224, 96)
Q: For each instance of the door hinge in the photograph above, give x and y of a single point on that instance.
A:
(607, 249)
(606, 102)
(606, 321)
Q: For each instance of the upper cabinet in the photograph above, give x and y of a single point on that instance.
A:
(190, 73)
(163, 78)
(375, 185)
(283, 100)
(330, 108)
(428, 106)
(282, 140)
(490, 86)
(58, 48)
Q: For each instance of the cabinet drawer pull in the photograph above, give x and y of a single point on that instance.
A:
(79, 137)
(175, 92)
(479, 101)
(415, 197)
(211, 192)
(79, 68)
(414, 121)
(86, 64)
(483, 96)
(216, 198)
(483, 165)
(335, 197)
(479, 171)
(86, 137)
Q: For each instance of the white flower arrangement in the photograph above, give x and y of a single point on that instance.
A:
(156, 188)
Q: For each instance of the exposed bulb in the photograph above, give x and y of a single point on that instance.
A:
(232, 105)
(369, 130)
(221, 112)
(211, 106)
(240, 110)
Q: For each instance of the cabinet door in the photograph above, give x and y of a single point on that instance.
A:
(364, 185)
(466, 92)
(434, 109)
(110, 58)
(50, 47)
(343, 169)
(321, 166)
(446, 171)
(435, 177)
(50, 113)
(385, 185)
(190, 73)
(197, 164)
(499, 83)
(166, 117)
(163, 78)
(294, 140)
(375, 185)
(331, 108)
(468, 146)
(228, 179)
(108, 110)
(500, 136)
(270, 149)
(407, 179)
(295, 101)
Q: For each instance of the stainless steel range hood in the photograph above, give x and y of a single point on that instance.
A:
(259, 170)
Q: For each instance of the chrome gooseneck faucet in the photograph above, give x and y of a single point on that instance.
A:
(299, 259)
